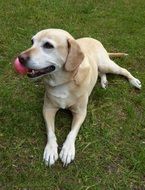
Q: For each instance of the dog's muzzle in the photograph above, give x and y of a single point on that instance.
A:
(32, 73)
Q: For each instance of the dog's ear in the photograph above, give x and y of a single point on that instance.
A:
(75, 55)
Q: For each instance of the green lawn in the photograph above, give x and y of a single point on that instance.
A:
(110, 148)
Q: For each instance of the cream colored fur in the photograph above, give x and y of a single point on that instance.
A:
(78, 64)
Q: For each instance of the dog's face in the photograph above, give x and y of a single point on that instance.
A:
(51, 50)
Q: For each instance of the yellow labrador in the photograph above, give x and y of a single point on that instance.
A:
(70, 69)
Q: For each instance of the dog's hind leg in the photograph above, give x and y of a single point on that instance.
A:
(109, 66)
(104, 82)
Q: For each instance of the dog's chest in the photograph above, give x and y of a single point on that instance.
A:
(61, 96)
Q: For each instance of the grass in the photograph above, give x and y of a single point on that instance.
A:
(110, 148)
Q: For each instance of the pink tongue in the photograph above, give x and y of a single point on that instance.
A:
(19, 67)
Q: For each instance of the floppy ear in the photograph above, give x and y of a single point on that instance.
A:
(75, 55)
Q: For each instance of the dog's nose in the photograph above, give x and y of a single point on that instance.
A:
(23, 58)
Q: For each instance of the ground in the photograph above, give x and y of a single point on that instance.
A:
(110, 148)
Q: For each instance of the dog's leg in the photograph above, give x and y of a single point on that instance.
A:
(50, 152)
(67, 153)
(111, 67)
(104, 82)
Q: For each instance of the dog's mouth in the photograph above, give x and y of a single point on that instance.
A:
(32, 73)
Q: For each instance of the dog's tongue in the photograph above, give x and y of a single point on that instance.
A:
(19, 67)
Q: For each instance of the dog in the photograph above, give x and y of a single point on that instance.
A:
(70, 69)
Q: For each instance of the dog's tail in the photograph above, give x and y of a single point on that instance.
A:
(117, 54)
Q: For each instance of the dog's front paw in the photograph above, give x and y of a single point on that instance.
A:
(67, 153)
(135, 82)
(50, 154)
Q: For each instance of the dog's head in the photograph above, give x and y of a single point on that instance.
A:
(52, 49)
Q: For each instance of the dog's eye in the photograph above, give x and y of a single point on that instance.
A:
(47, 45)
(32, 41)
